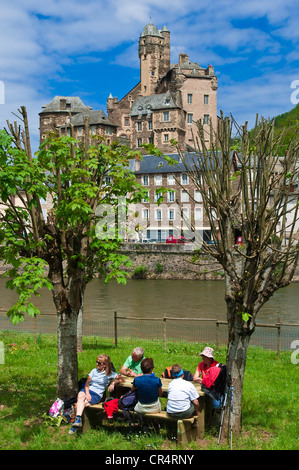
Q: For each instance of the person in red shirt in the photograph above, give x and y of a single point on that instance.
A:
(206, 363)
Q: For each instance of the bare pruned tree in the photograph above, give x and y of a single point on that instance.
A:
(247, 188)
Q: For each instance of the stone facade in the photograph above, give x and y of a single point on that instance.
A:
(163, 106)
(168, 100)
(63, 111)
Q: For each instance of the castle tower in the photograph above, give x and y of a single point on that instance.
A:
(154, 55)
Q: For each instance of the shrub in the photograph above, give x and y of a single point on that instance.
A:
(139, 272)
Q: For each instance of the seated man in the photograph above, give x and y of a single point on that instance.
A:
(131, 368)
(182, 396)
(132, 365)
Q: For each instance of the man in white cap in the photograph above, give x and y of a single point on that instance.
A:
(206, 363)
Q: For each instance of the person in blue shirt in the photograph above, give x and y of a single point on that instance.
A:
(149, 389)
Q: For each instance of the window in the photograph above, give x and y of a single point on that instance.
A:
(166, 116)
(197, 196)
(139, 142)
(139, 126)
(146, 195)
(158, 180)
(145, 214)
(189, 118)
(185, 179)
(158, 214)
(171, 214)
(206, 118)
(189, 98)
(185, 213)
(166, 137)
(157, 196)
(184, 196)
(150, 125)
(150, 140)
(127, 121)
(108, 130)
(170, 179)
(198, 213)
(171, 196)
(206, 99)
(145, 180)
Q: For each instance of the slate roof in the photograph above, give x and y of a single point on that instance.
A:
(151, 30)
(96, 117)
(151, 164)
(76, 105)
(147, 104)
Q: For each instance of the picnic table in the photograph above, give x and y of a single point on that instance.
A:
(187, 429)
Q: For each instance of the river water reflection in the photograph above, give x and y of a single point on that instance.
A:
(156, 298)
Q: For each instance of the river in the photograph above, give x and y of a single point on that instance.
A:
(156, 298)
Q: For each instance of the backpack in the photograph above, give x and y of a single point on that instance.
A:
(214, 382)
(167, 374)
(127, 403)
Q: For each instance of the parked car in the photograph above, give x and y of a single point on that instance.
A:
(172, 239)
(239, 241)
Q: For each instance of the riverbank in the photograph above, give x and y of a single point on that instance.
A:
(171, 261)
(28, 388)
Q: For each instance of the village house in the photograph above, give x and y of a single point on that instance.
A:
(172, 206)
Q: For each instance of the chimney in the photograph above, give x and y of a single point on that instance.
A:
(183, 58)
(62, 104)
(137, 164)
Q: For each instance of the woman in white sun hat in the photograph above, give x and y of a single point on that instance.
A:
(206, 363)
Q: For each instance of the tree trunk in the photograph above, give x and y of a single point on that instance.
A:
(67, 372)
(236, 361)
(80, 328)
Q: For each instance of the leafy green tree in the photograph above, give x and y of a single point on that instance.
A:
(83, 181)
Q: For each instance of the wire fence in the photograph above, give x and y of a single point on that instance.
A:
(277, 336)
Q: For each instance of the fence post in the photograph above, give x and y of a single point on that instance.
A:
(35, 327)
(217, 335)
(115, 329)
(164, 332)
(278, 338)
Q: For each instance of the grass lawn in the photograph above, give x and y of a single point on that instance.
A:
(28, 388)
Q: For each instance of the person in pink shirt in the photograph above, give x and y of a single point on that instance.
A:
(206, 363)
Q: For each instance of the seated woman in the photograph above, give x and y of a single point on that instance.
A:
(207, 362)
(149, 389)
(93, 390)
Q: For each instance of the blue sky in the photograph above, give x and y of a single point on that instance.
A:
(90, 49)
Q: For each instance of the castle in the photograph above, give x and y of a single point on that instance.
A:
(164, 105)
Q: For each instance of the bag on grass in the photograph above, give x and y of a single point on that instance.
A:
(55, 409)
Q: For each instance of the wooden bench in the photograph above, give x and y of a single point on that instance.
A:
(187, 430)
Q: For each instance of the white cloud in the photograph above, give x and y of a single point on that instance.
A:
(40, 40)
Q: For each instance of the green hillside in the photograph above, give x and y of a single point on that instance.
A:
(287, 119)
